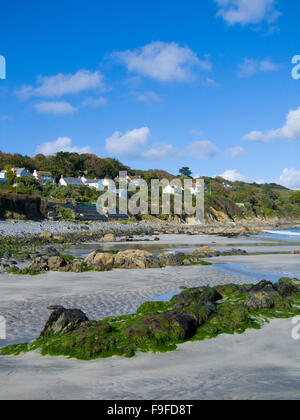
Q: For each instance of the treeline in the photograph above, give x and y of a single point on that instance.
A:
(66, 164)
(75, 164)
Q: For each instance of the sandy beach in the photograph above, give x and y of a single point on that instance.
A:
(256, 365)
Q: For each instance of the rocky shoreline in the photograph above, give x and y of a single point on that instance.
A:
(95, 230)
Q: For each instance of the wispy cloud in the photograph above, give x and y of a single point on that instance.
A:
(166, 62)
(149, 97)
(55, 108)
(235, 152)
(249, 67)
(245, 12)
(63, 84)
(62, 144)
(94, 102)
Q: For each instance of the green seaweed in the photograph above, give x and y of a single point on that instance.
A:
(195, 314)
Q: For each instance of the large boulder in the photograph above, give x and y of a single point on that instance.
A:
(56, 263)
(63, 321)
(101, 260)
(134, 258)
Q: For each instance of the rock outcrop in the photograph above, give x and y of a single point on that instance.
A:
(63, 321)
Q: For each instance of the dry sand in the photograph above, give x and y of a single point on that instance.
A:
(261, 364)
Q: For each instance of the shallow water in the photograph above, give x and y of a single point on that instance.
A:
(255, 275)
(291, 235)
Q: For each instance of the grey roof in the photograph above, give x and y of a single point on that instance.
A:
(74, 181)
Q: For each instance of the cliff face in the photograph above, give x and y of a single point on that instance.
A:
(13, 206)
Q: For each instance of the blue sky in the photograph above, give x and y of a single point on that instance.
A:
(205, 84)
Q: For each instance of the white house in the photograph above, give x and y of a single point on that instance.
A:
(172, 190)
(21, 172)
(3, 177)
(75, 182)
(91, 183)
(43, 177)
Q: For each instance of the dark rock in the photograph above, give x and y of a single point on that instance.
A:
(171, 322)
(196, 295)
(63, 320)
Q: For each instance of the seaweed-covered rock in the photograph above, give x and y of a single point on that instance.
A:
(164, 326)
(227, 289)
(260, 300)
(196, 295)
(168, 259)
(63, 321)
(200, 311)
(287, 287)
(231, 318)
(235, 251)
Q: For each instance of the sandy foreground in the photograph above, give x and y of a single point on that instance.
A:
(261, 364)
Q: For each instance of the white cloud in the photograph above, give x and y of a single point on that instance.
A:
(233, 175)
(56, 108)
(290, 178)
(250, 67)
(129, 144)
(236, 152)
(290, 130)
(163, 61)
(134, 144)
(62, 144)
(247, 11)
(95, 102)
(202, 149)
(149, 97)
(161, 151)
(63, 84)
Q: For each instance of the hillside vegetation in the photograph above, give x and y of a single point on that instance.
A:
(223, 199)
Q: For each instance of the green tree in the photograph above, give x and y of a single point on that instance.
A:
(10, 175)
(185, 170)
